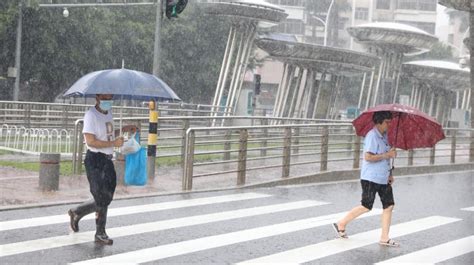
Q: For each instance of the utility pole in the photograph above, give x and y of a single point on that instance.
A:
(471, 149)
(16, 89)
(157, 45)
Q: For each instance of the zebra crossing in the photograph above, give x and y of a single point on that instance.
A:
(320, 250)
(437, 253)
(269, 217)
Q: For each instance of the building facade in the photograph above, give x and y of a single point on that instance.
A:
(308, 25)
(456, 31)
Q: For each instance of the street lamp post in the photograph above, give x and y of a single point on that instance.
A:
(16, 89)
(325, 23)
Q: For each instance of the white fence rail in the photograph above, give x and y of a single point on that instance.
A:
(35, 140)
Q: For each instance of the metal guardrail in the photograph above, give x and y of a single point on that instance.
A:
(291, 148)
(296, 149)
(70, 142)
(172, 132)
(59, 115)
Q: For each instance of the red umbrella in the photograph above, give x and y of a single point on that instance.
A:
(410, 128)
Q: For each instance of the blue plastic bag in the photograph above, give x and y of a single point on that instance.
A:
(135, 167)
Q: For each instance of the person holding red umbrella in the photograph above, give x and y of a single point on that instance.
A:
(376, 177)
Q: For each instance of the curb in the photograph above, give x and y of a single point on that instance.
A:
(324, 178)
(345, 175)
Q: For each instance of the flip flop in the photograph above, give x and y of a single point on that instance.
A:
(340, 233)
(389, 243)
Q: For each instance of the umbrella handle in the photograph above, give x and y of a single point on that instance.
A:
(121, 109)
(392, 167)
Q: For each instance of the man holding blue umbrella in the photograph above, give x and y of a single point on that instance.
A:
(100, 140)
(100, 136)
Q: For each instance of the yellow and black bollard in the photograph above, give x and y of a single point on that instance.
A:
(152, 139)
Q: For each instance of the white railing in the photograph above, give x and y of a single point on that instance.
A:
(35, 140)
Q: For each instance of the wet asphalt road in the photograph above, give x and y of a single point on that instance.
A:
(225, 227)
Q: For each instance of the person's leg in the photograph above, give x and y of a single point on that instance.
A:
(386, 221)
(76, 214)
(386, 196)
(367, 201)
(80, 211)
(100, 222)
(107, 189)
(353, 214)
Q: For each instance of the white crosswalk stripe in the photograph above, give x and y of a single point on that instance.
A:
(436, 254)
(470, 209)
(269, 229)
(324, 249)
(190, 246)
(83, 237)
(64, 218)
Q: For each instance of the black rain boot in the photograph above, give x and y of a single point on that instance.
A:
(101, 236)
(79, 212)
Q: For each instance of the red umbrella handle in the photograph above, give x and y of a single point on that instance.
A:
(398, 125)
(396, 139)
(393, 166)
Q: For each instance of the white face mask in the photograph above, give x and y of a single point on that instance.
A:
(105, 104)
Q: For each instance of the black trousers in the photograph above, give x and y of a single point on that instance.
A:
(101, 176)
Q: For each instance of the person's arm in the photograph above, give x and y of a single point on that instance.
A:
(371, 157)
(92, 141)
(391, 179)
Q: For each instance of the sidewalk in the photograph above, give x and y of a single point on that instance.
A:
(20, 188)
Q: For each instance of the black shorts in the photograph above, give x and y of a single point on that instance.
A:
(368, 194)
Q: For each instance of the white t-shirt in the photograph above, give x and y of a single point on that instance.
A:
(102, 126)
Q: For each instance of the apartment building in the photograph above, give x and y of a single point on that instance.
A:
(308, 26)
(296, 21)
(456, 31)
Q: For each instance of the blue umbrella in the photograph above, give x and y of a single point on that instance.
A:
(123, 84)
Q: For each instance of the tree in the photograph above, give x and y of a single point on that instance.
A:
(7, 16)
(9, 11)
(193, 47)
(56, 51)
